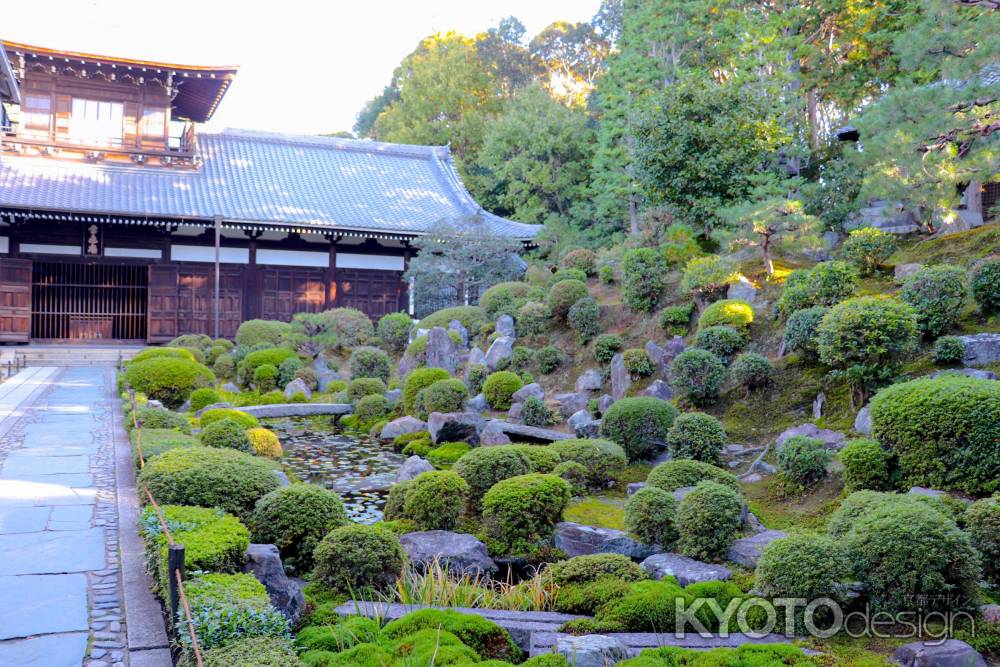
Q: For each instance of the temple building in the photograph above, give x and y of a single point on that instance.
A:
(120, 220)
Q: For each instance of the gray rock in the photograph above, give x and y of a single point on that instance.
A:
(746, 551)
(505, 326)
(153, 403)
(531, 434)
(742, 289)
(967, 372)
(577, 539)
(221, 405)
(476, 356)
(572, 402)
(863, 422)
(591, 650)
(393, 396)
(533, 389)
(297, 409)
(686, 570)
(412, 467)
(604, 402)
(493, 434)
(949, 653)
(460, 553)
(407, 364)
(633, 487)
(402, 426)
(185, 407)
(502, 348)
(455, 427)
(231, 388)
(681, 492)
(584, 425)
(264, 562)
(477, 403)
(818, 404)
(297, 386)
(658, 389)
(764, 468)
(282, 478)
(590, 380)
(514, 414)
(991, 613)
(904, 271)
(621, 382)
(673, 348)
(923, 491)
(441, 352)
(459, 328)
(981, 349)
(325, 379)
(754, 524)
(626, 546)
(655, 353)
(833, 440)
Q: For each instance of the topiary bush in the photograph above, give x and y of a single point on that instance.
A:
(272, 356)
(165, 353)
(499, 388)
(593, 567)
(256, 332)
(695, 435)
(639, 424)
(225, 367)
(434, 500)
(580, 259)
(868, 248)
(521, 358)
(867, 465)
(985, 283)
(265, 377)
(752, 371)
(534, 412)
(419, 379)
(604, 460)
(676, 320)
(575, 474)
(648, 606)
(445, 396)
(825, 284)
(943, 431)
(519, 513)
(549, 358)
(471, 317)
(369, 362)
(245, 420)
(226, 434)
(483, 467)
(503, 299)
(861, 503)
(200, 398)
(637, 362)
(264, 442)
(803, 566)
(567, 274)
(563, 295)
(937, 294)
(949, 351)
(351, 326)
(394, 330)
(643, 272)
(541, 458)
(584, 318)
(650, 515)
(168, 380)
(708, 276)
(803, 460)
(982, 523)
(735, 313)
(697, 375)
(355, 558)
(486, 638)
(287, 370)
(447, 453)
(606, 346)
(685, 472)
(801, 330)
(209, 477)
(162, 418)
(361, 387)
(708, 519)
(532, 319)
(295, 518)
(369, 409)
(606, 274)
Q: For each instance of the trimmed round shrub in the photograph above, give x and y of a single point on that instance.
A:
(168, 380)
(225, 366)
(361, 387)
(445, 396)
(707, 276)
(637, 362)
(643, 272)
(419, 379)
(503, 299)
(943, 431)
(396, 501)
(605, 461)
(256, 332)
(825, 284)
(724, 342)
(394, 330)
(575, 474)
(199, 341)
(483, 467)
(567, 274)
(227, 434)
(563, 295)
(534, 412)
(471, 317)
(707, 521)
(861, 503)
(350, 325)
(910, 552)
(650, 515)
(540, 458)
(209, 477)
(752, 371)
(355, 558)
(803, 566)
(521, 357)
(519, 513)
(676, 320)
(549, 358)
(369, 362)
(164, 353)
(580, 259)
(867, 465)
(697, 375)
(585, 318)
(803, 460)
(499, 388)
(982, 523)
(695, 435)
(868, 248)
(532, 319)
(592, 567)
(801, 330)
(937, 294)
(264, 442)
(265, 377)
(486, 638)
(447, 453)
(308, 376)
(639, 424)
(735, 313)
(606, 346)
(606, 274)
(287, 370)
(295, 518)
(162, 418)
(685, 472)
(434, 500)
(203, 397)
(218, 414)
(949, 350)
(985, 283)
(369, 409)
(272, 356)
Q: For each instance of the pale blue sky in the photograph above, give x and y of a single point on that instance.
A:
(305, 67)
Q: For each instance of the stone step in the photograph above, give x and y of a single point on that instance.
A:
(636, 642)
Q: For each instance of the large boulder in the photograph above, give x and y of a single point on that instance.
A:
(476, 356)
(577, 539)
(505, 326)
(621, 381)
(673, 348)
(571, 402)
(742, 289)
(604, 402)
(393, 396)
(455, 427)
(686, 570)
(297, 386)
(460, 553)
(967, 372)
(477, 403)
(590, 380)
(863, 421)
(949, 653)
(746, 551)
(658, 389)
(833, 440)
(981, 349)
(628, 547)
(462, 332)
(591, 650)
(584, 425)
(402, 426)
(264, 562)
(407, 364)
(655, 353)
(493, 434)
(441, 352)
(232, 388)
(412, 467)
(903, 271)
(502, 348)
(527, 391)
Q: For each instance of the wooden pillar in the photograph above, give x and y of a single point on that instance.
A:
(251, 283)
(215, 294)
(406, 299)
(332, 284)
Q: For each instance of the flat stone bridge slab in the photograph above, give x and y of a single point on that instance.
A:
(297, 409)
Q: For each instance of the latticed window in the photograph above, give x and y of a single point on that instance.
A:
(991, 201)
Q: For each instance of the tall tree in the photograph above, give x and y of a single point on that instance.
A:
(504, 55)
(573, 55)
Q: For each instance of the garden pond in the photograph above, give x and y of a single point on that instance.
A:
(361, 469)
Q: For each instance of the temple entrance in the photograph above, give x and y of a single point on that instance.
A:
(88, 302)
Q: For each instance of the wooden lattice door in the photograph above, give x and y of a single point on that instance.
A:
(15, 300)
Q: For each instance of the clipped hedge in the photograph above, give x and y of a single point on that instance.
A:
(651, 515)
(698, 436)
(394, 330)
(563, 295)
(164, 353)
(499, 388)
(639, 424)
(419, 379)
(168, 380)
(937, 293)
(485, 637)
(735, 313)
(604, 460)
(593, 567)
(867, 465)
(226, 434)
(801, 330)
(361, 387)
(434, 500)
(230, 608)
(201, 398)
(803, 460)
(708, 519)
(218, 414)
(256, 332)
(722, 341)
(161, 418)
(295, 518)
(369, 362)
(803, 566)
(520, 513)
(264, 442)
(697, 375)
(684, 472)
(355, 558)
(483, 467)
(272, 356)
(445, 396)
(982, 523)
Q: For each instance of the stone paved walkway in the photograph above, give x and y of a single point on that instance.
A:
(60, 579)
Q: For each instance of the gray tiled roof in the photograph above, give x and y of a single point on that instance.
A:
(261, 177)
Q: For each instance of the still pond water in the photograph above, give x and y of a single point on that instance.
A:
(359, 468)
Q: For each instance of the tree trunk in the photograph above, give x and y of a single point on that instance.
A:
(765, 248)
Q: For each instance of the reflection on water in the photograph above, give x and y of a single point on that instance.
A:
(359, 468)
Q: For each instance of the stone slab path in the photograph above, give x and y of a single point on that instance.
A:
(60, 572)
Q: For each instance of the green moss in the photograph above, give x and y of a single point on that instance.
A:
(962, 248)
(768, 500)
(601, 511)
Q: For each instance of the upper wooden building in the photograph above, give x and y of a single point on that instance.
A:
(111, 202)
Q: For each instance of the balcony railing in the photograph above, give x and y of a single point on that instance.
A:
(182, 150)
